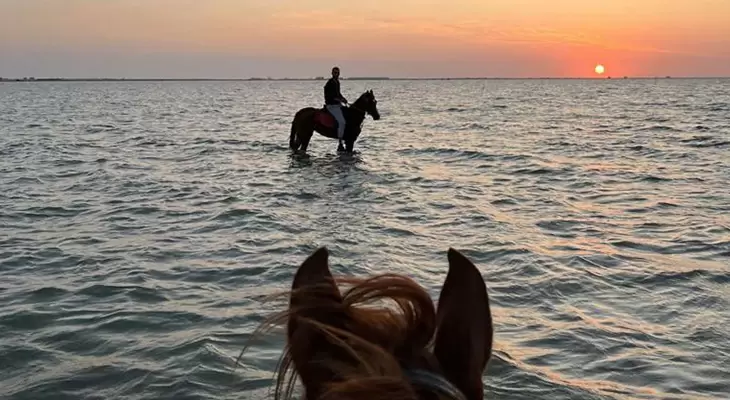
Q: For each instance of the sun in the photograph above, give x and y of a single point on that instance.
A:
(600, 69)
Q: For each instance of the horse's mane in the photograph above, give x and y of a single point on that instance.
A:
(375, 337)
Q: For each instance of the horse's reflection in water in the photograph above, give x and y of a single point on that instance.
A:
(331, 194)
(329, 166)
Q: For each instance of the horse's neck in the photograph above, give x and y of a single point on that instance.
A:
(356, 114)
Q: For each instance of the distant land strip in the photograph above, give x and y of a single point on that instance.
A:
(354, 78)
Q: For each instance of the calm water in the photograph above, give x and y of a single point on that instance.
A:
(141, 225)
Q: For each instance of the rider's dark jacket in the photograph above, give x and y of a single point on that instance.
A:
(332, 93)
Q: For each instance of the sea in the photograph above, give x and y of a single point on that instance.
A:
(146, 227)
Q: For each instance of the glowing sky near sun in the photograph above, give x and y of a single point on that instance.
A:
(300, 38)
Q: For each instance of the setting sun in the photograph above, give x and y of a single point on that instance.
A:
(600, 69)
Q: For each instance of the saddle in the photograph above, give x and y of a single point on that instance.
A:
(325, 119)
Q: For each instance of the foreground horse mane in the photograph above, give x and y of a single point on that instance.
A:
(362, 343)
(370, 335)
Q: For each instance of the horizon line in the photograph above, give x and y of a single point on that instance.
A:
(353, 78)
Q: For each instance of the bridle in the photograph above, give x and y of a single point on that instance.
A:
(353, 106)
(428, 380)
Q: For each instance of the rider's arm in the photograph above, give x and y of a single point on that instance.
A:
(339, 94)
(329, 91)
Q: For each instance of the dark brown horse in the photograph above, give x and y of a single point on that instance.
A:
(343, 348)
(308, 120)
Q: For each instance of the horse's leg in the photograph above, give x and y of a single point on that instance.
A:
(305, 137)
(351, 139)
(350, 145)
(293, 136)
(293, 145)
(345, 139)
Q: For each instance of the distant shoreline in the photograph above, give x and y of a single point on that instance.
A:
(320, 78)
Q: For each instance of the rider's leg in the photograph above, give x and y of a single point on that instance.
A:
(336, 111)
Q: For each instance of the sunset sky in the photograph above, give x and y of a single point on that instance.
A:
(397, 38)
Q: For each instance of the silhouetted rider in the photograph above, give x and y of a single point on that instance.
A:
(334, 100)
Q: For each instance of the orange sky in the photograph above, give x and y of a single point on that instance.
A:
(417, 38)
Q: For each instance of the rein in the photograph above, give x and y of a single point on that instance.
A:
(357, 108)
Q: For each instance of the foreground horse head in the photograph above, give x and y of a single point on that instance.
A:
(342, 347)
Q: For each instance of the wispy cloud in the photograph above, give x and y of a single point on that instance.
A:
(508, 33)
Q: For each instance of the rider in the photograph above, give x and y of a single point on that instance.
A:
(334, 100)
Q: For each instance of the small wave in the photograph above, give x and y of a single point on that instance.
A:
(24, 180)
(26, 320)
(654, 178)
(474, 126)
(236, 213)
(652, 208)
(542, 170)
(659, 128)
(134, 293)
(48, 293)
(99, 128)
(669, 278)
(49, 212)
(449, 152)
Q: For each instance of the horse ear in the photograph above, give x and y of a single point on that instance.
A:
(315, 271)
(463, 342)
(315, 302)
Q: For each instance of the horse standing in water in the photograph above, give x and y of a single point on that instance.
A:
(309, 119)
(414, 351)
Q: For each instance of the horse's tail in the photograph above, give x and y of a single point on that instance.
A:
(293, 134)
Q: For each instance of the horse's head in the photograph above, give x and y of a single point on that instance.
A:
(369, 104)
(342, 350)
